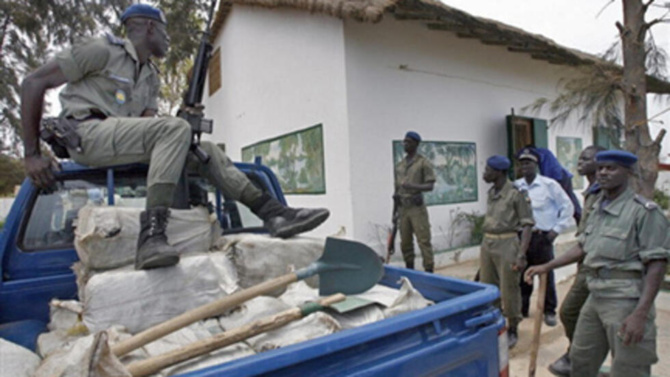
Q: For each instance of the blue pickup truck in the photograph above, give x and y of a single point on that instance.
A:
(462, 335)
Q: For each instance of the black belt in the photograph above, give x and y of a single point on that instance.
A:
(608, 273)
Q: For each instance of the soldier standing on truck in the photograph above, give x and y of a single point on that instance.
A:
(414, 175)
(579, 292)
(625, 246)
(503, 256)
(109, 110)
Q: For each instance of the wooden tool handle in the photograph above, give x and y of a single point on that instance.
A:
(535, 345)
(206, 311)
(154, 364)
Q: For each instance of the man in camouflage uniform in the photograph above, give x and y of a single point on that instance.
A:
(579, 292)
(625, 246)
(502, 256)
(110, 103)
(414, 175)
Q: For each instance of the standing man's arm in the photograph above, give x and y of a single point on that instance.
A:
(524, 211)
(565, 209)
(428, 179)
(33, 88)
(654, 251)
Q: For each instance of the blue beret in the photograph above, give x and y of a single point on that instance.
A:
(498, 162)
(413, 135)
(623, 158)
(528, 154)
(143, 10)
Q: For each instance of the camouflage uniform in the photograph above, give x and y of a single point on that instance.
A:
(579, 291)
(413, 213)
(108, 90)
(618, 239)
(507, 211)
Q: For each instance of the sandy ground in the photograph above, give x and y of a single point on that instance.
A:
(553, 342)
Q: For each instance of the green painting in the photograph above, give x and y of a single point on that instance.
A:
(455, 167)
(295, 158)
(568, 150)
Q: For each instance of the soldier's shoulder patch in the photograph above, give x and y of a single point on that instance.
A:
(646, 203)
(113, 39)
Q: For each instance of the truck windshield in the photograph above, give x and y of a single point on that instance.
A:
(53, 215)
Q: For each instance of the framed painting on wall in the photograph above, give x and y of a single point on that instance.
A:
(455, 165)
(567, 152)
(296, 158)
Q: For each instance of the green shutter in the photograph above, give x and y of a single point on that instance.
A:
(540, 138)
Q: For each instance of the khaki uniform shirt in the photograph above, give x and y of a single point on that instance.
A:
(624, 235)
(590, 197)
(507, 211)
(419, 171)
(104, 75)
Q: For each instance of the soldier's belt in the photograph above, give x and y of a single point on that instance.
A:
(501, 236)
(607, 273)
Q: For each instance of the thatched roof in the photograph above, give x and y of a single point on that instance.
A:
(439, 17)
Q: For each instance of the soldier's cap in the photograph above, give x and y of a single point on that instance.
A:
(498, 162)
(527, 154)
(623, 158)
(143, 10)
(412, 135)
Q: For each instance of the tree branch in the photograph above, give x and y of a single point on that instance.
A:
(646, 5)
(659, 137)
(622, 29)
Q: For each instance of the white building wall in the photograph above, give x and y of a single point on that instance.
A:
(450, 90)
(283, 71)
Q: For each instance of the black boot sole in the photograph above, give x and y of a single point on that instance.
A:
(302, 226)
(158, 261)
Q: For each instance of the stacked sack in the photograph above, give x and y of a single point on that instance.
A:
(116, 301)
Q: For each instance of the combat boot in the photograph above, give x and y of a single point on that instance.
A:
(286, 222)
(409, 265)
(512, 337)
(561, 367)
(153, 250)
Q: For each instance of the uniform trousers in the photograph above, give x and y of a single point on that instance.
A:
(540, 251)
(573, 302)
(414, 220)
(163, 143)
(596, 334)
(495, 260)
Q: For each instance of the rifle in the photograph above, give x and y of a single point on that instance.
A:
(390, 241)
(192, 109)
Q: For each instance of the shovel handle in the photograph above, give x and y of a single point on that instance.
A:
(154, 364)
(535, 344)
(212, 309)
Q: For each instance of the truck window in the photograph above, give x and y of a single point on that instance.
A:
(52, 218)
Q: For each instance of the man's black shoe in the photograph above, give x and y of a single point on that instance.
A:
(550, 319)
(561, 367)
(512, 337)
(293, 221)
(153, 250)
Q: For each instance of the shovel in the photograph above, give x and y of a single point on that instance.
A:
(346, 267)
(154, 364)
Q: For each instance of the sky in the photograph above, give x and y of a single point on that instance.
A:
(586, 25)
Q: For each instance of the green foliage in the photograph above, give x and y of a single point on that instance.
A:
(662, 199)
(475, 222)
(11, 174)
(31, 31)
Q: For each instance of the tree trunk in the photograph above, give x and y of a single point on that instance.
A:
(638, 140)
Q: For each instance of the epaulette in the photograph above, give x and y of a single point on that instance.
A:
(646, 203)
(115, 40)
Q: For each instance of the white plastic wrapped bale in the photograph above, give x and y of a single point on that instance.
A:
(191, 334)
(89, 356)
(258, 258)
(65, 326)
(138, 300)
(17, 361)
(313, 326)
(406, 300)
(106, 237)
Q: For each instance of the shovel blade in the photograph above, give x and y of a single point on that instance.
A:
(348, 267)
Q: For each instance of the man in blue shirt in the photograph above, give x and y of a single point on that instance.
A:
(552, 212)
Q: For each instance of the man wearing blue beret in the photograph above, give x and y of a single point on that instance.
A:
(414, 175)
(625, 248)
(503, 255)
(109, 111)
